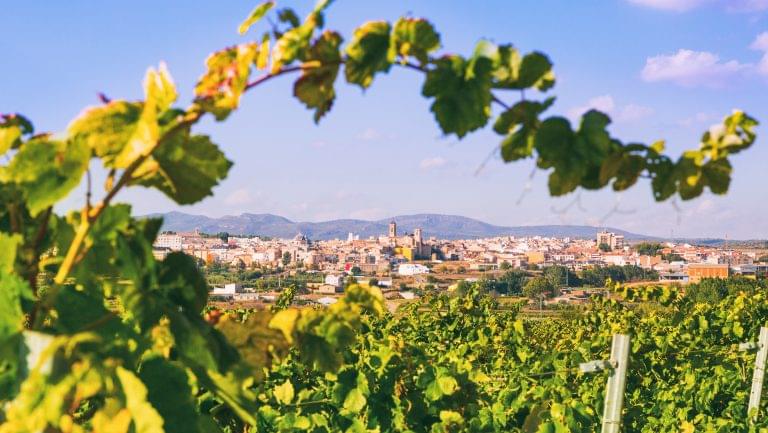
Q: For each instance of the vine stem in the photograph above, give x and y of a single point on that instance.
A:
(92, 213)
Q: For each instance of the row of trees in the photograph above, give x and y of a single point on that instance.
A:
(520, 282)
(713, 290)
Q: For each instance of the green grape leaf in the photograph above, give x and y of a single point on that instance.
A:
(159, 89)
(232, 389)
(80, 311)
(165, 378)
(46, 170)
(520, 123)
(134, 258)
(255, 340)
(294, 43)
(284, 393)
(663, 180)
(315, 86)
(12, 128)
(255, 16)
(145, 418)
(106, 128)
(536, 71)
(717, 175)
(189, 166)
(355, 401)
(97, 265)
(287, 15)
(511, 71)
(12, 290)
(415, 37)
(369, 52)
(159, 94)
(461, 92)
(219, 90)
(197, 343)
(183, 282)
(8, 246)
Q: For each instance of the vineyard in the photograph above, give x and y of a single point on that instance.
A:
(450, 364)
(97, 335)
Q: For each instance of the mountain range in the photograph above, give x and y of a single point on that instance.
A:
(437, 225)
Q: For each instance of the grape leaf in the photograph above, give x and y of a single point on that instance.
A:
(315, 86)
(369, 52)
(255, 16)
(189, 166)
(47, 170)
(461, 92)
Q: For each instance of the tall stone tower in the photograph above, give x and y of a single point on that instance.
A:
(392, 229)
(417, 236)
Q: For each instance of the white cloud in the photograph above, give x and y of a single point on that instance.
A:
(691, 68)
(633, 112)
(374, 213)
(432, 163)
(369, 134)
(238, 197)
(698, 119)
(746, 5)
(602, 103)
(670, 5)
(761, 44)
(687, 5)
(606, 104)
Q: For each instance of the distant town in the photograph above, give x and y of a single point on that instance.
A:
(255, 269)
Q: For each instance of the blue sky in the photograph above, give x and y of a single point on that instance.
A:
(661, 68)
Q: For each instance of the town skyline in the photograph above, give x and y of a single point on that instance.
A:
(442, 226)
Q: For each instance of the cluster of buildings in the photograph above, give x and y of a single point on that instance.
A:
(409, 254)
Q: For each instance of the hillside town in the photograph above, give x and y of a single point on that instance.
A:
(408, 257)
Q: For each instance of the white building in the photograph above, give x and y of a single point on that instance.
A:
(412, 269)
(228, 291)
(334, 280)
(172, 241)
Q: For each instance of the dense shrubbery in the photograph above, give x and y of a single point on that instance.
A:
(460, 364)
(597, 276)
(712, 290)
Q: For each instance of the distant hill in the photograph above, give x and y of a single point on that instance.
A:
(440, 226)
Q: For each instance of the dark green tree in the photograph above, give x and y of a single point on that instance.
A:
(648, 248)
(538, 287)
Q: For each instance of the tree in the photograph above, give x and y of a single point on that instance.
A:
(538, 287)
(224, 236)
(158, 339)
(559, 276)
(373, 282)
(356, 270)
(513, 281)
(648, 248)
(604, 247)
(673, 257)
(286, 258)
(504, 266)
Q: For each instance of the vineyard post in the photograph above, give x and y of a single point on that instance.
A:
(617, 381)
(759, 374)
